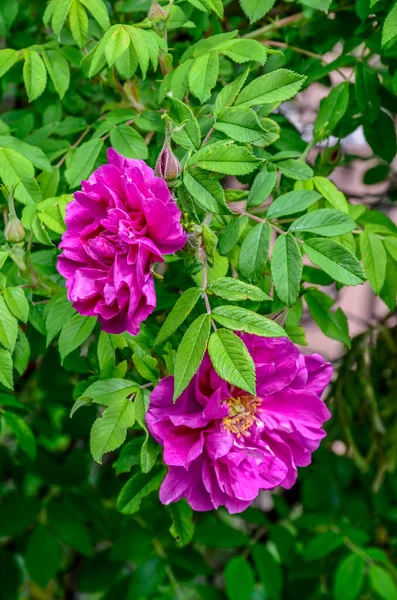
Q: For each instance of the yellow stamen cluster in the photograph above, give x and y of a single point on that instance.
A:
(242, 415)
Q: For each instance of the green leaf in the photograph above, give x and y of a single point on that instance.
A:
(286, 265)
(331, 193)
(15, 170)
(211, 43)
(336, 260)
(182, 528)
(99, 11)
(6, 369)
(231, 360)
(278, 86)
(128, 142)
(66, 522)
(381, 136)
(60, 13)
(242, 51)
(326, 221)
(74, 333)
(349, 578)
(180, 311)
(141, 48)
(240, 124)
(78, 23)
(367, 91)
(116, 44)
(391, 246)
(17, 303)
(295, 169)
(322, 545)
(389, 31)
(262, 187)
(8, 326)
(180, 80)
(190, 353)
(292, 203)
(35, 155)
(137, 488)
(59, 311)
(389, 291)
(241, 319)
(382, 582)
(206, 191)
(8, 58)
(254, 251)
(43, 556)
(34, 75)
(319, 4)
(269, 571)
(58, 69)
(109, 431)
(149, 452)
(332, 324)
(203, 75)
(229, 93)
(106, 355)
(239, 579)
(189, 137)
(234, 290)
(107, 391)
(21, 353)
(22, 432)
(332, 109)
(83, 162)
(256, 9)
(230, 235)
(228, 159)
(373, 255)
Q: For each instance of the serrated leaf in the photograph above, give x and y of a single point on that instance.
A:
(325, 221)
(137, 488)
(206, 191)
(240, 124)
(229, 93)
(78, 22)
(231, 360)
(21, 353)
(228, 159)
(59, 15)
(349, 578)
(59, 311)
(242, 51)
(203, 75)
(381, 136)
(230, 235)
(128, 142)
(367, 90)
(336, 260)
(99, 11)
(180, 311)
(58, 69)
(256, 9)
(83, 162)
(8, 58)
(190, 353)
(74, 333)
(234, 290)
(8, 326)
(182, 528)
(239, 579)
(34, 154)
(17, 303)
(332, 324)
(332, 109)
(292, 203)
(180, 79)
(331, 193)
(373, 255)
(241, 319)
(286, 266)
(6, 369)
(107, 391)
(189, 136)
(262, 187)
(34, 75)
(319, 4)
(140, 45)
(254, 251)
(109, 431)
(389, 30)
(116, 44)
(295, 169)
(277, 86)
(22, 432)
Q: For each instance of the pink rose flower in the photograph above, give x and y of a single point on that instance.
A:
(118, 226)
(223, 445)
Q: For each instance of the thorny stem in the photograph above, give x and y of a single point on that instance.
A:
(205, 296)
(275, 25)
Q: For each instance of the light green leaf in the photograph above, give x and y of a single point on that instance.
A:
(190, 136)
(234, 290)
(8, 58)
(190, 353)
(319, 4)
(262, 187)
(206, 191)
(180, 79)
(326, 221)
(34, 154)
(116, 44)
(332, 324)
(373, 255)
(78, 22)
(241, 319)
(292, 203)
(391, 246)
(295, 169)
(6, 369)
(349, 578)
(254, 251)
(59, 15)
(230, 235)
(277, 86)
(336, 260)
(74, 333)
(332, 109)
(21, 353)
(128, 142)
(180, 311)
(107, 391)
(140, 45)
(242, 51)
(59, 311)
(137, 488)
(83, 162)
(331, 193)
(203, 75)
(34, 75)
(229, 93)
(99, 11)
(149, 452)
(240, 124)
(8, 326)
(22, 432)
(109, 431)
(106, 355)
(231, 360)
(58, 69)
(389, 31)
(256, 9)
(211, 43)
(228, 159)
(381, 581)
(182, 528)
(286, 265)
(239, 578)
(17, 303)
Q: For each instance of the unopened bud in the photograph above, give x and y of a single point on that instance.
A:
(14, 231)
(168, 166)
(156, 12)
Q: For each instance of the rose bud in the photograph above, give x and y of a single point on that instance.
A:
(14, 231)
(156, 12)
(168, 166)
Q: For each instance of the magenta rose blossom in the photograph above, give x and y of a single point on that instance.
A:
(118, 226)
(223, 445)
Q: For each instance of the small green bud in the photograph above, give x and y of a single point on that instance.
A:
(14, 231)
(156, 12)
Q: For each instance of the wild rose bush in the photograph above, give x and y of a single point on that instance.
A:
(167, 234)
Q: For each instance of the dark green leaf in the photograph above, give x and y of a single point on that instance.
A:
(231, 360)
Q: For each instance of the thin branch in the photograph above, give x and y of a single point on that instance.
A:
(275, 25)
(85, 132)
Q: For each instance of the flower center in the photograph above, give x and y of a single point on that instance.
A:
(242, 414)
